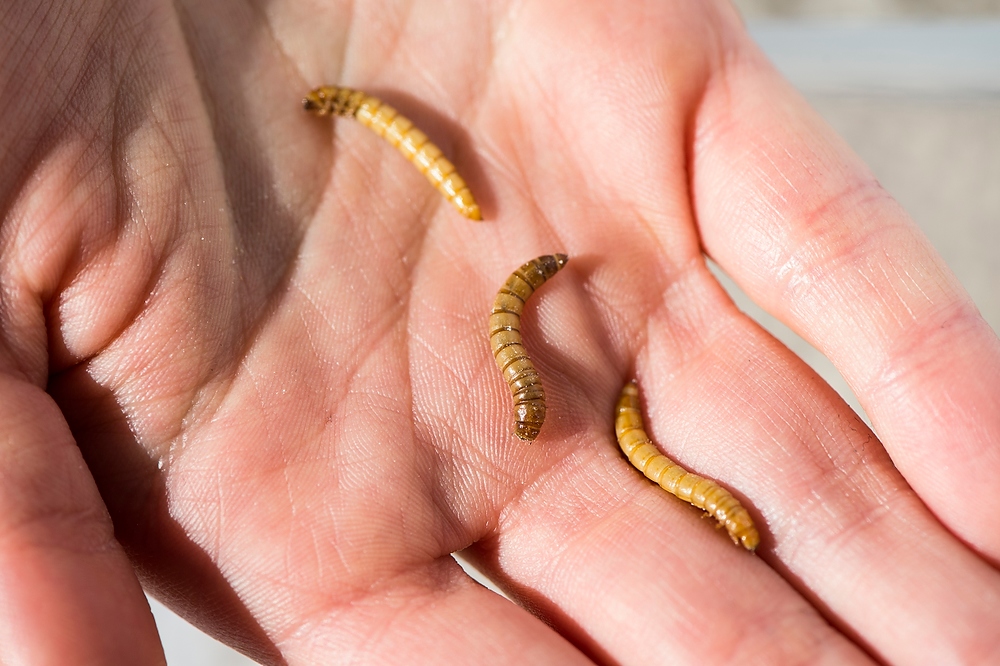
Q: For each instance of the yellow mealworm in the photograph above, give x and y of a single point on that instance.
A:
(400, 132)
(509, 352)
(699, 491)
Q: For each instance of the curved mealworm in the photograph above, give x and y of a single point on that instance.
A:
(505, 338)
(399, 131)
(699, 491)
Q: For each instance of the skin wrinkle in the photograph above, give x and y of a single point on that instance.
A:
(635, 206)
(887, 272)
(531, 478)
(272, 37)
(27, 237)
(799, 535)
(827, 260)
(245, 200)
(382, 232)
(349, 13)
(778, 425)
(790, 403)
(423, 347)
(423, 74)
(97, 539)
(448, 466)
(533, 196)
(25, 232)
(680, 280)
(25, 360)
(902, 362)
(405, 304)
(329, 365)
(129, 322)
(343, 593)
(521, 499)
(547, 108)
(701, 339)
(482, 80)
(764, 176)
(505, 167)
(456, 531)
(869, 522)
(387, 44)
(56, 56)
(444, 579)
(835, 467)
(609, 313)
(553, 568)
(364, 346)
(560, 573)
(553, 315)
(462, 459)
(176, 457)
(679, 444)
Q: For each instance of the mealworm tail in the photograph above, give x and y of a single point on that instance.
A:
(505, 339)
(697, 490)
(400, 132)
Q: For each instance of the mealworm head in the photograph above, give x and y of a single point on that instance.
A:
(399, 131)
(320, 101)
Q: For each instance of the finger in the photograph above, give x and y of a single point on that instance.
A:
(839, 521)
(809, 234)
(70, 594)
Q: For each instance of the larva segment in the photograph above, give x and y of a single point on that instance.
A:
(505, 339)
(697, 490)
(400, 132)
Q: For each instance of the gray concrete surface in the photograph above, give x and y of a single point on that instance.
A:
(866, 8)
(934, 144)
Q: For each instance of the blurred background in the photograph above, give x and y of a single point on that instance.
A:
(914, 87)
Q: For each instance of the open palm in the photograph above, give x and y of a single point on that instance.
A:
(267, 336)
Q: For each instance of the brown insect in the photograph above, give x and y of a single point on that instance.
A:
(400, 132)
(505, 338)
(699, 491)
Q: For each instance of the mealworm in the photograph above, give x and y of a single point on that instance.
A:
(400, 132)
(699, 491)
(505, 338)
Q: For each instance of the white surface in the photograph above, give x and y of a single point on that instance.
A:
(187, 646)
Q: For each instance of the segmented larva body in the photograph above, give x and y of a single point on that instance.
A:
(699, 491)
(400, 132)
(510, 354)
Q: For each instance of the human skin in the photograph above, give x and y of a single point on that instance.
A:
(244, 356)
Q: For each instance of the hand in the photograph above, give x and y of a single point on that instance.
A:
(266, 335)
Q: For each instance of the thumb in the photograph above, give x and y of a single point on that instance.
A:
(68, 591)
